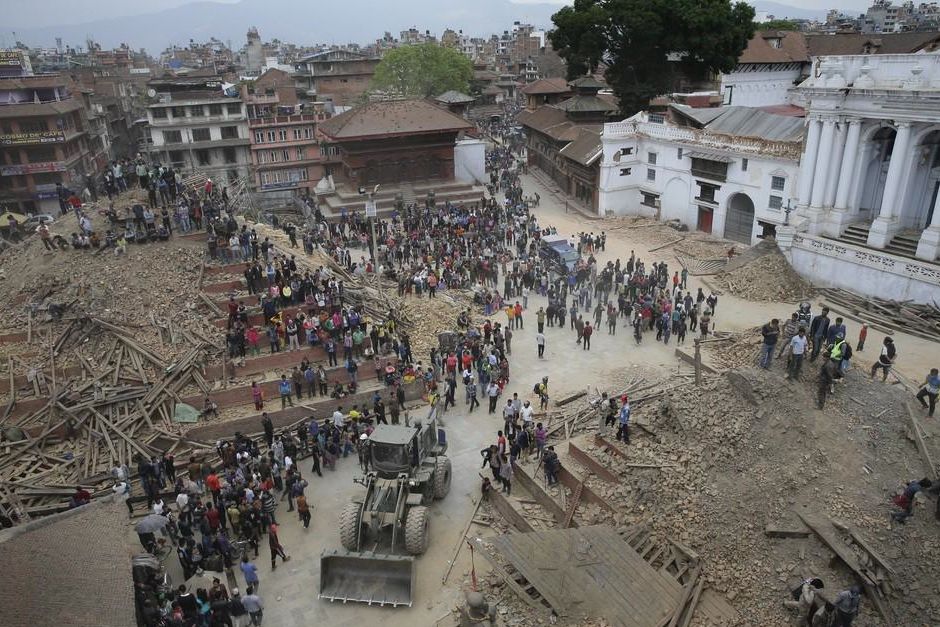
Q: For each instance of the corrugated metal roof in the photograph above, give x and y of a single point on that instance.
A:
(585, 149)
(710, 156)
(746, 122)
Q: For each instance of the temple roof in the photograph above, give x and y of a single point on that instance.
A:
(393, 117)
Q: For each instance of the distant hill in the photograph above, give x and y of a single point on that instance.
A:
(300, 22)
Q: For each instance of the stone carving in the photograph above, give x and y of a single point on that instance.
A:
(908, 268)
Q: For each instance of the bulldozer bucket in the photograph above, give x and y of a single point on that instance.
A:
(366, 578)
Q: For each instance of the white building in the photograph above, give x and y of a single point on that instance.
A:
(194, 126)
(730, 171)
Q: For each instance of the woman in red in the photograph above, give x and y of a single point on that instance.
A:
(275, 545)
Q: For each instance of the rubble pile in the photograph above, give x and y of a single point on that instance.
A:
(737, 350)
(769, 277)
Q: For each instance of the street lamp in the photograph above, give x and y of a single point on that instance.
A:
(786, 213)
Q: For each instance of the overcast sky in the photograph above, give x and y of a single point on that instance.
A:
(36, 13)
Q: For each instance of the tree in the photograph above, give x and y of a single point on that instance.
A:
(777, 25)
(648, 45)
(423, 70)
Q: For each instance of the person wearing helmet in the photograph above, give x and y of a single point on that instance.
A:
(840, 351)
(365, 457)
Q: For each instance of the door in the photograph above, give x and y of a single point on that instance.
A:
(739, 221)
(705, 215)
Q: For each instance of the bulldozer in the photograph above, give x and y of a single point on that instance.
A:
(408, 471)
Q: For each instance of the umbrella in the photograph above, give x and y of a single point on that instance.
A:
(151, 523)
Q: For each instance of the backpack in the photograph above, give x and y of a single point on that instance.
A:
(535, 388)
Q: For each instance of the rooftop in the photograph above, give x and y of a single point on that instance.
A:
(546, 86)
(745, 122)
(72, 568)
(586, 148)
(393, 117)
(454, 97)
(792, 48)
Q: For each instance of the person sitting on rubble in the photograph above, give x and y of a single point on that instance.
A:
(81, 497)
(163, 234)
(110, 241)
(209, 408)
(77, 241)
(140, 236)
(338, 391)
(94, 240)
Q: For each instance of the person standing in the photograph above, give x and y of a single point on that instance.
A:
(303, 509)
(623, 430)
(540, 342)
(862, 336)
(492, 391)
(930, 389)
(253, 605)
(274, 544)
(770, 332)
(268, 427)
(818, 330)
(798, 345)
(257, 396)
(888, 355)
(505, 474)
(284, 387)
(586, 334)
(471, 393)
(846, 606)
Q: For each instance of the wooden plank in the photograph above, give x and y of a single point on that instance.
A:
(876, 557)
(919, 441)
(587, 460)
(512, 583)
(507, 511)
(687, 593)
(461, 541)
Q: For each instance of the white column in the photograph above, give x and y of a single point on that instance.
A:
(929, 245)
(808, 162)
(886, 224)
(847, 173)
(826, 144)
(835, 170)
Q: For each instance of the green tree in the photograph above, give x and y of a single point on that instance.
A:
(423, 70)
(777, 25)
(648, 45)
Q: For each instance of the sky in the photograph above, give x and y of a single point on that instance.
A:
(154, 25)
(57, 12)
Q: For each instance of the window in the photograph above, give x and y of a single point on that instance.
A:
(650, 174)
(234, 108)
(272, 136)
(197, 111)
(285, 154)
(624, 171)
(300, 154)
(626, 151)
(297, 134)
(707, 192)
(657, 118)
(282, 134)
(308, 132)
(229, 155)
(176, 158)
(744, 165)
(46, 178)
(172, 137)
(274, 156)
(215, 109)
(259, 137)
(262, 156)
(202, 157)
(650, 200)
(679, 153)
(159, 113)
(201, 135)
(776, 202)
(651, 158)
(777, 183)
(32, 126)
(229, 132)
(179, 112)
(710, 169)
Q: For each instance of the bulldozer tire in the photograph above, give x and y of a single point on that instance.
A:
(349, 521)
(442, 476)
(416, 530)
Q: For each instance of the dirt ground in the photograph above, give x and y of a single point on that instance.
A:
(746, 452)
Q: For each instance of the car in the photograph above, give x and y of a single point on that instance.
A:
(33, 220)
(561, 256)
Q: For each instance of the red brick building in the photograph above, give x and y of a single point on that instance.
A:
(393, 142)
(285, 152)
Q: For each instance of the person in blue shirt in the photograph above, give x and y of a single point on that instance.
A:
(623, 431)
(835, 329)
(285, 388)
(930, 389)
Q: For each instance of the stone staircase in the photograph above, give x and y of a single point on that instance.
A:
(903, 244)
(408, 195)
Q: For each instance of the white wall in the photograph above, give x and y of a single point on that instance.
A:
(758, 89)
(470, 161)
(621, 194)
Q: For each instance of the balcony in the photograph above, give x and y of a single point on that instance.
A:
(286, 119)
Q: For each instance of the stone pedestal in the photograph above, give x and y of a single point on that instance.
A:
(785, 239)
(928, 248)
(835, 222)
(882, 232)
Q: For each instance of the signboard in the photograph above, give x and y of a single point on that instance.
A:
(31, 168)
(46, 195)
(35, 137)
(281, 185)
(11, 58)
(370, 209)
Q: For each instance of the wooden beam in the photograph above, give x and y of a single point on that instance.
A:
(919, 441)
(461, 540)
